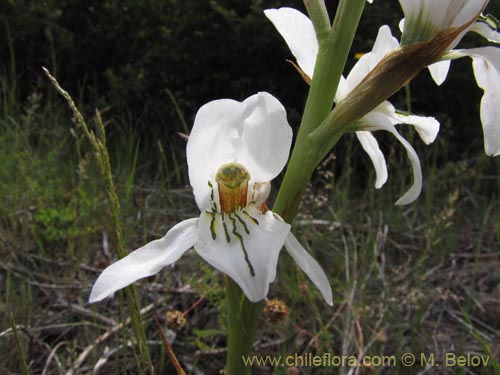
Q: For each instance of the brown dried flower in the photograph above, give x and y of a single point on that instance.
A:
(276, 311)
(175, 320)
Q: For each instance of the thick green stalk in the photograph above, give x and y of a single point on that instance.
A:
(243, 317)
(330, 63)
(334, 47)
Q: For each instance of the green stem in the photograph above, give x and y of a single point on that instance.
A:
(319, 17)
(243, 317)
(334, 46)
(330, 63)
(20, 352)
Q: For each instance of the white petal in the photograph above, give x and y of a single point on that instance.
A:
(424, 18)
(310, 267)
(258, 192)
(254, 133)
(147, 260)
(439, 71)
(401, 25)
(384, 43)
(416, 188)
(214, 140)
(486, 64)
(298, 32)
(342, 90)
(266, 137)
(409, 7)
(486, 31)
(426, 127)
(379, 120)
(425, 13)
(262, 247)
(463, 11)
(370, 145)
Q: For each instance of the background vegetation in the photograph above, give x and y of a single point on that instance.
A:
(421, 278)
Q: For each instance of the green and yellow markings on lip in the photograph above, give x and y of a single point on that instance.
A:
(232, 182)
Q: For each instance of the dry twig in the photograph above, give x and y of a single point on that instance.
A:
(85, 353)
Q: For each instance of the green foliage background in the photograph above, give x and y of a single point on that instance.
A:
(124, 55)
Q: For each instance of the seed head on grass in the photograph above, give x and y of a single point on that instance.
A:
(98, 143)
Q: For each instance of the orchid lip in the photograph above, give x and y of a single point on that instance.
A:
(235, 226)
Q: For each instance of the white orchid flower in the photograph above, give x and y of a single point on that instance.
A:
(298, 32)
(233, 151)
(426, 18)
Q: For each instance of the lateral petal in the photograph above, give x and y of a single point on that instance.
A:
(147, 260)
(439, 71)
(378, 120)
(384, 44)
(486, 31)
(427, 127)
(370, 145)
(486, 65)
(310, 267)
(416, 188)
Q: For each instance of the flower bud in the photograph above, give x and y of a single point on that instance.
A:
(391, 74)
(424, 18)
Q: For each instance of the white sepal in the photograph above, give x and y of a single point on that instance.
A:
(147, 260)
(298, 32)
(371, 147)
(486, 65)
(310, 267)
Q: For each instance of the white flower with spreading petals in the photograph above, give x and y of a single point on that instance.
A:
(299, 34)
(425, 18)
(233, 151)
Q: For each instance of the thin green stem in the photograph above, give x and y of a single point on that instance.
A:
(319, 17)
(20, 352)
(101, 154)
